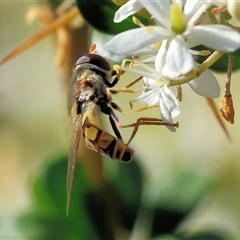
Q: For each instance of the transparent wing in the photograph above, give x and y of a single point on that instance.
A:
(76, 129)
(72, 92)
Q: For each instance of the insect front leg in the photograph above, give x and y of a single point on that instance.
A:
(117, 72)
(119, 109)
(126, 88)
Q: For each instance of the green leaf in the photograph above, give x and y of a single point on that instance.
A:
(176, 189)
(167, 237)
(165, 220)
(104, 207)
(127, 180)
(206, 236)
(49, 188)
(100, 14)
(118, 201)
(222, 64)
(47, 219)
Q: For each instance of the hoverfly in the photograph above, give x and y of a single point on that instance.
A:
(89, 96)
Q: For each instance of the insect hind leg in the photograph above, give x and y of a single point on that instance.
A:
(145, 121)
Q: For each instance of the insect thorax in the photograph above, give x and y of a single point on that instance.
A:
(91, 88)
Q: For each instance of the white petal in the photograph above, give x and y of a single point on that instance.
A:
(135, 39)
(126, 10)
(165, 114)
(154, 72)
(219, 37)
(206, 85)
(180, 3)
(159, 10)
(190, 8)
(152, 98)
(144, 51)
(100, 39)
(193, 10)
(178, 60)
(160, 57)
(148, 81)
(170, 101)
(149, 97)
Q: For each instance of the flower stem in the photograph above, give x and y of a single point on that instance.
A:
(227, 91)
(196, 72)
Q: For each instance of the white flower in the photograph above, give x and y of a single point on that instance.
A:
(179, 23)
(158, 92)
(100, 39)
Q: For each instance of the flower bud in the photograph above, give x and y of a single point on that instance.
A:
(234, 8)
(226, 108)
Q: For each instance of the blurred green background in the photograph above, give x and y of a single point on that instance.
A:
(179, 185)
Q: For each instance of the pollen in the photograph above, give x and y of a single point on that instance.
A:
(136, 21)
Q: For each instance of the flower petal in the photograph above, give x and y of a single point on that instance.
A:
(159, 11)
(145, 51)
(160, 57)
(169, 106)
(178, 60)
(193, 11)
(152, 98)
(219, 37)
(206, 85)
(170, 101)
(100, 39)
(165, 114)
(150, 95)
(135, 39)
(126, 10)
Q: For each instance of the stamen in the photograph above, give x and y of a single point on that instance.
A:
(137, 21)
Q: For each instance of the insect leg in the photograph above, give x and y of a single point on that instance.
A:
(145, 121)
(126, 88)
(92, 48)
(113, 120)
(118, 72)
(119, 109)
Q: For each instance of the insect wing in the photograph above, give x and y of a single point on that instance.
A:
(72, 93)
(76, 128)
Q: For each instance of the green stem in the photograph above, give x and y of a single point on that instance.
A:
(196, 72)
(211, 16)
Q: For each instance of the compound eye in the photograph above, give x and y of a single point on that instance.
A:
(96, 60)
